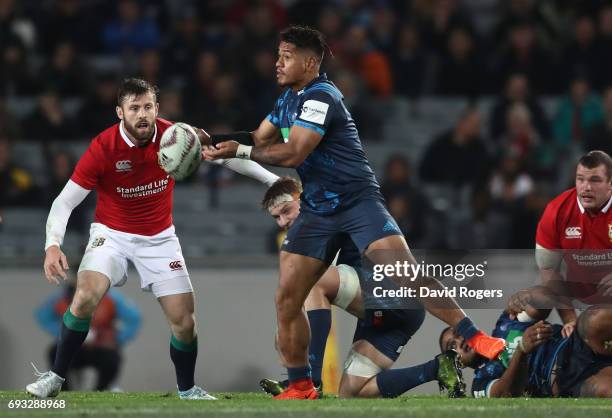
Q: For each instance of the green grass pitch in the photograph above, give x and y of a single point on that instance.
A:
(102, 404)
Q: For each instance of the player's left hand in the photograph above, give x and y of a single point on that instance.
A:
(568, 329)
(225, 149)
(604, 288)
(535, 336)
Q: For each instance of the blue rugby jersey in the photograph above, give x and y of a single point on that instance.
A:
(540, 361)
(337, 172)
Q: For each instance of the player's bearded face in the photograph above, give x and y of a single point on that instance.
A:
(593, 186)
(138, 114)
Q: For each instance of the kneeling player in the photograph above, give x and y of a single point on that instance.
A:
(538, 360)
(380, 335)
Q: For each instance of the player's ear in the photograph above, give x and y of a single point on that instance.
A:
(119, 111)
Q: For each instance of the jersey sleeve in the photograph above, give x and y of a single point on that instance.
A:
(274, 115)
(90, 167)
(485, 377)
(546, 233)
(316, 111)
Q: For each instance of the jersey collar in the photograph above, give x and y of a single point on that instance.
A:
(321, 77)
(127, 139)
(603, 210)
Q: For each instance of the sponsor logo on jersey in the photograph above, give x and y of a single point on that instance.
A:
(98, 242)
(123, 165)
(610, 231)
(314, 111)
(176, 265)
(573, 232)
(389, 227)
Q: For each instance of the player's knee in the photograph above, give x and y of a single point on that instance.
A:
(603, 389)
(84, 302)
(184, 323)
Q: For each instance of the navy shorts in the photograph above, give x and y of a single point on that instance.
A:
(321, 237)
(389, 330)
(576, 363)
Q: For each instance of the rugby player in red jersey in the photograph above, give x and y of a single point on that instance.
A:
(133, 222)
(576, 228)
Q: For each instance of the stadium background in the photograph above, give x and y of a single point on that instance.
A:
(472, 114)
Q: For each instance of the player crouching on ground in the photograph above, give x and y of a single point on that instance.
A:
(379, 336)
(538, 360)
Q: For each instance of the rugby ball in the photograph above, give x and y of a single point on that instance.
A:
(180, 151)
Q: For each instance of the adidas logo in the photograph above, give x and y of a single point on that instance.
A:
(389, 226)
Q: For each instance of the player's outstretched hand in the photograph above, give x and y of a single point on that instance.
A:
(535, 336)
(226, 149)
(204, 137)
(55, 265)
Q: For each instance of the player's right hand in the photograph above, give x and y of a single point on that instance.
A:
(519, 302)
(535, 336)
(55, 265)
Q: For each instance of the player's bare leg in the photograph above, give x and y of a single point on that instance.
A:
(180, 313)
(393, 248)
(364, 387)
(91, 287)
(298, 274)
(593, 327)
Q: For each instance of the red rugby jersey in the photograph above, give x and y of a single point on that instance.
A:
(566, 225)
(134, 193)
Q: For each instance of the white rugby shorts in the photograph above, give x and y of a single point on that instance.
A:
(158, 259)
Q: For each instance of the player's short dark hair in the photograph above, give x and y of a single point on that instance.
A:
(596, 158)
(440, 339)
(284, 185)
(304, 37)
(135, 87)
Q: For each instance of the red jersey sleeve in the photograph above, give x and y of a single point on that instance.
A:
(546, 235)
(90, 167)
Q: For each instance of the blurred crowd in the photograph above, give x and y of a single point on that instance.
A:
(214, 63)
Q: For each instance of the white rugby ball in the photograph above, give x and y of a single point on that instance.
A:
(180, 151)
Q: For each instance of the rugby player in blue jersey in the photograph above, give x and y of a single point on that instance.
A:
(311, 130)
(538, 360)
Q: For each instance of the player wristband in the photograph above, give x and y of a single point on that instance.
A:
(244, 152)
(241, 137)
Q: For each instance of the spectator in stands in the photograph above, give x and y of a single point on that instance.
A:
(171, 104)
(371, 65)
(198, 89)
(98, 110)
(71, 21)
(8, 122)
(517, 90)
(184, 44)
(525, 219)
(482, 227)
(438, 18)
(65, 72)
(546, 22)
(62, 166)
(382, 28)
(510, 182)
(604, 46)
(524, 54)
(130, 32)
(457, 157)
(115, 323)
(576, 113)
(150, 67)
(460, 71)
(407, 204)
(260, 85)
(580, 56)
(600, 135)
(409, 61)
(520, 138)
(16, 184)
(15, 75)
(49, 121)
